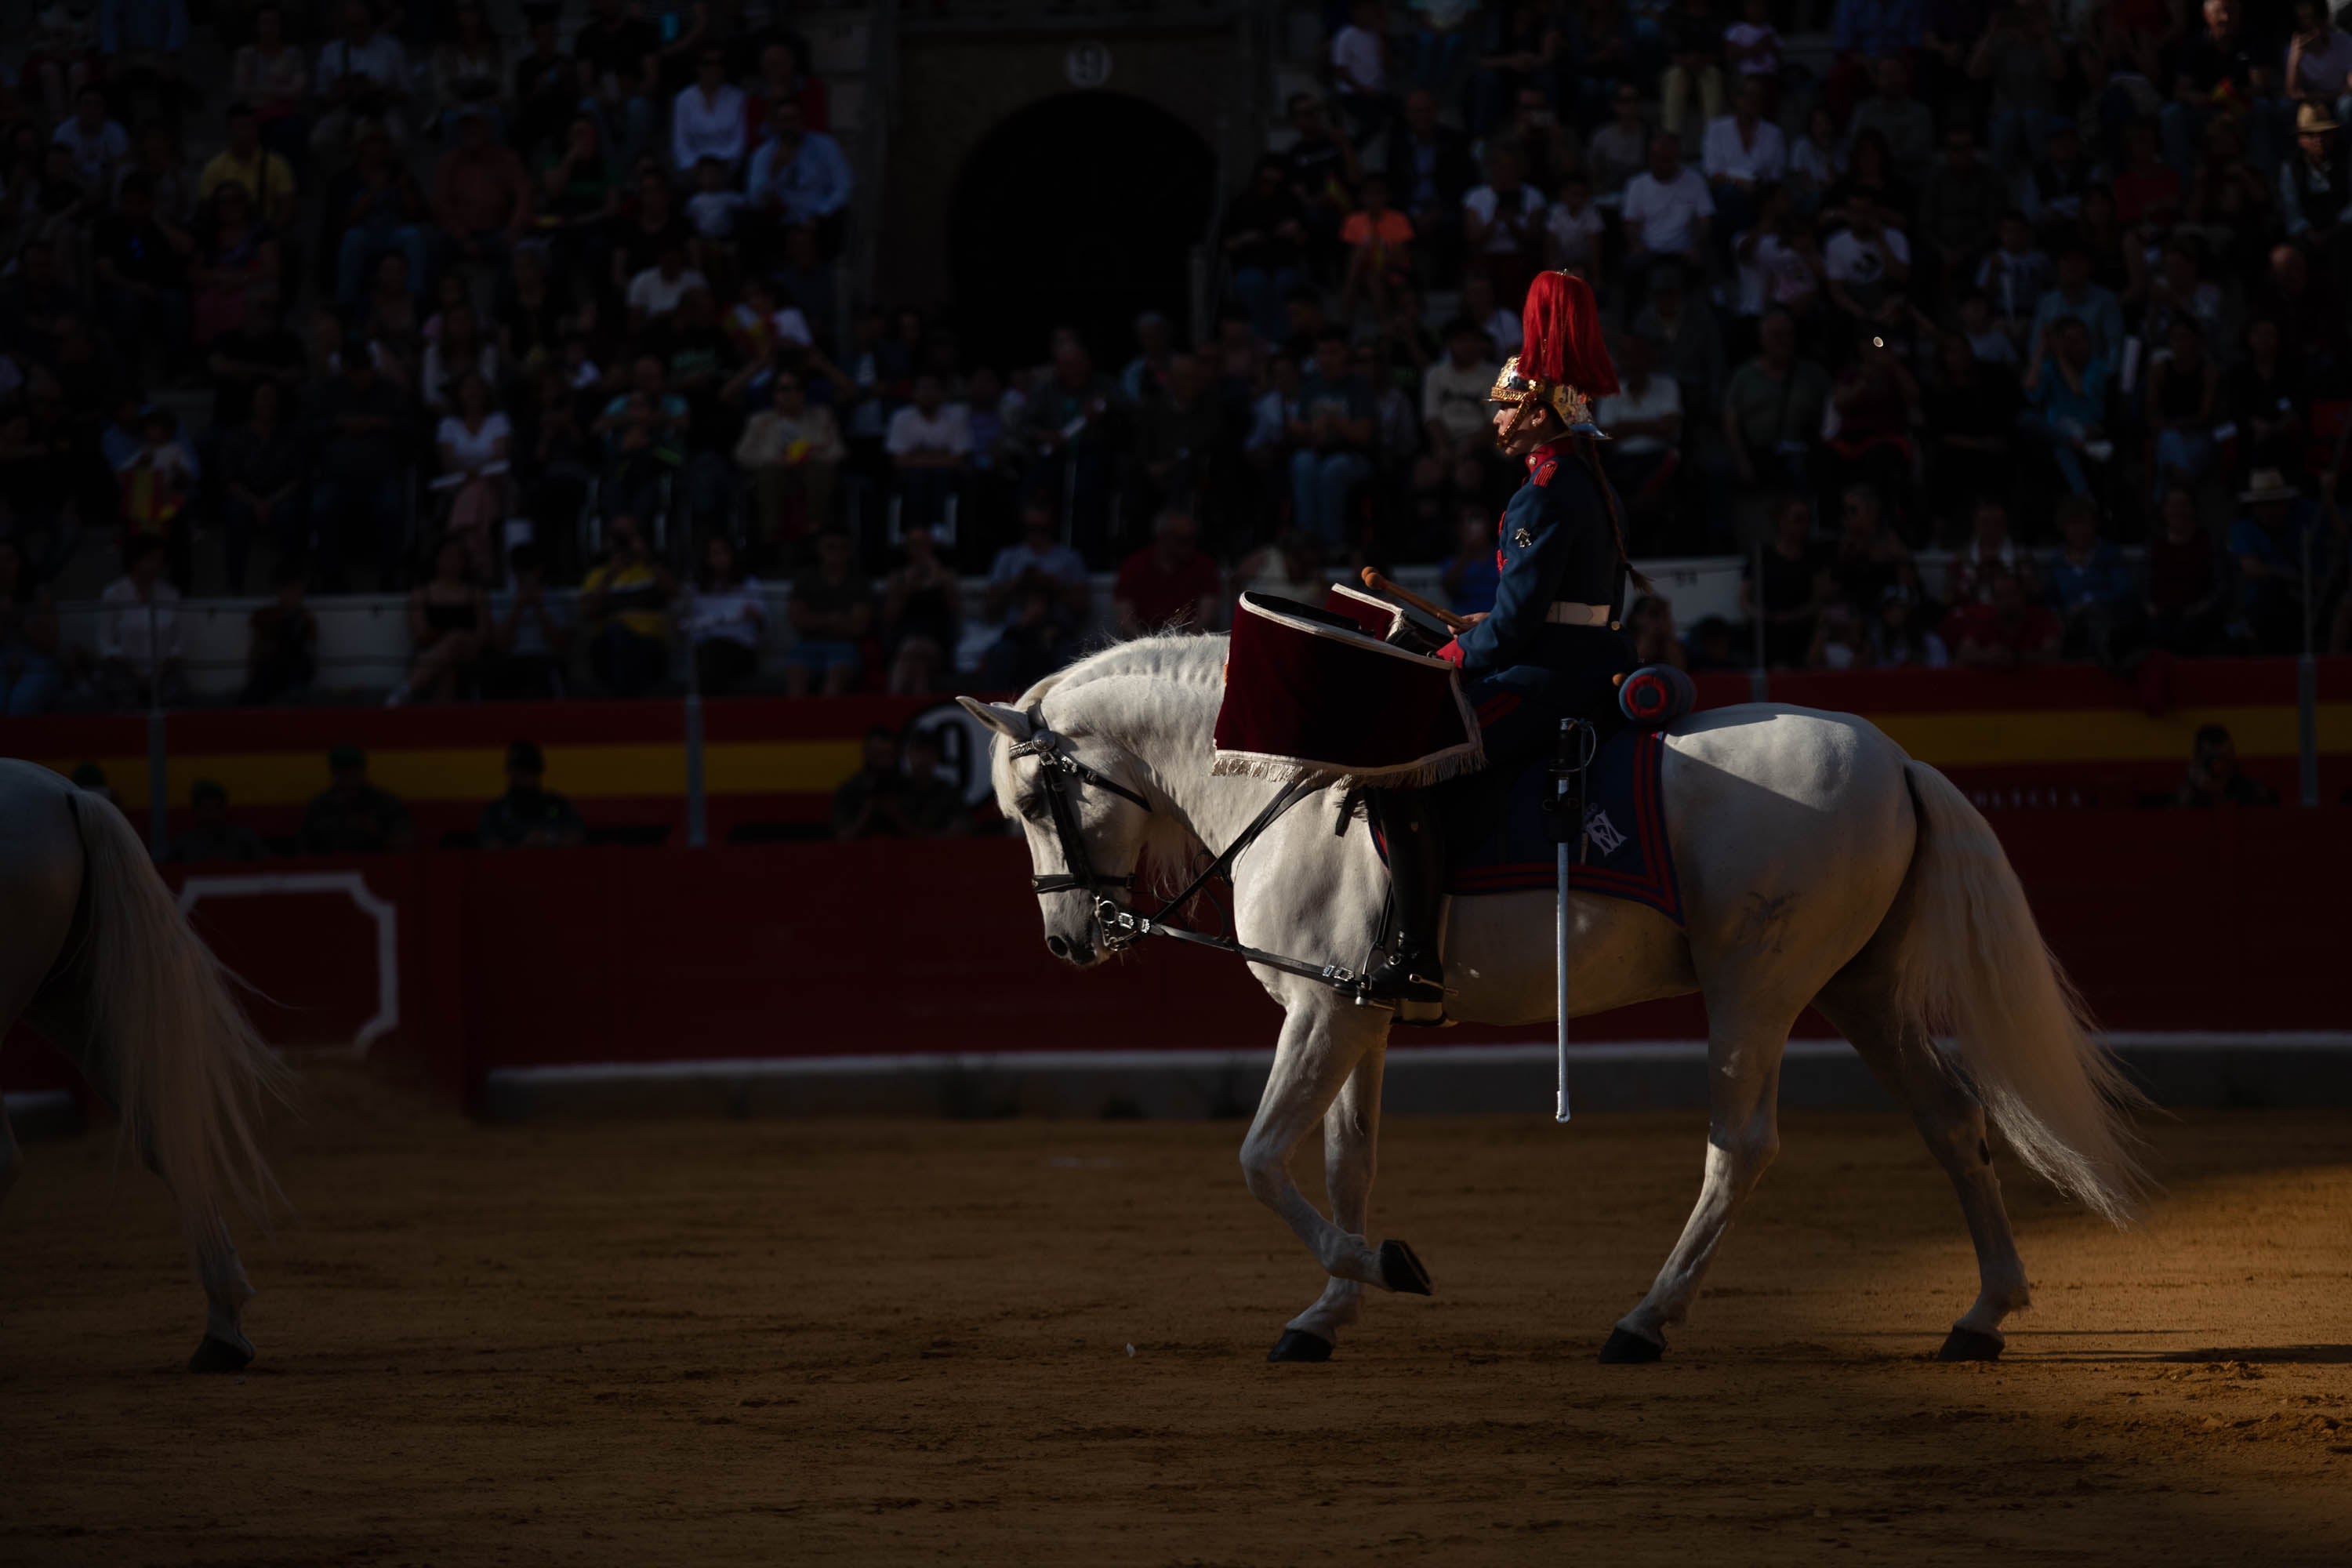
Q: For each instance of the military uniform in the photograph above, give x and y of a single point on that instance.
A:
(1552, 647)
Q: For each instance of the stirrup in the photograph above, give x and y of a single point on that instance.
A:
(1408, 977)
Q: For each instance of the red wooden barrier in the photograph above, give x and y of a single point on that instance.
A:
(2224, 920)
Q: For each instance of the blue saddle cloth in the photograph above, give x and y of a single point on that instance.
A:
(1498, 841)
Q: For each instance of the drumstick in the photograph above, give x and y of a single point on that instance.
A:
(1446, 618)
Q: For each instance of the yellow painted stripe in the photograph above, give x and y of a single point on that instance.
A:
(2103, 734)
(780, 767)
(477, 773)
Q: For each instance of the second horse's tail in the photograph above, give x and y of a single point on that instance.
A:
(188, 1071)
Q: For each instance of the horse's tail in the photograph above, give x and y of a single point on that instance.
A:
(188, 1071)
(1973, 965)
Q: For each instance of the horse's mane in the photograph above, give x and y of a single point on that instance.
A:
(1184, 659)
(1177, 675)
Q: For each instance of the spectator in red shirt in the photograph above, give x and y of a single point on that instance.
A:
(2184, 587)
(782, 80)
(2148, 190)
(482, 196)
(2008, 632)
(1167, 586)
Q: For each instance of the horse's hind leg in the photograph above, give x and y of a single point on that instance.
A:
(1743, 1135)
(12, 1159)
(39, 883)
(1351, 1134)
(1953, 1122)
(223, 1347)
(63, 1014)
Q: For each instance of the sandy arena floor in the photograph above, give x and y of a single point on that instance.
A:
(699, 1342)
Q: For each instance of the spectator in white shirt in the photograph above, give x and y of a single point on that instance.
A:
(1667, 208)
(1502, 224)
(930, 443)
(1454, 393)
(1744, 150)
(656, 292)
(139, 649)
(1359, 71)
(1753, 45)
(1866, 263)
(363, 76)
(1573, 227)
(705, 120)
(1644, 420)
(98, 145)
(1485, 307)
(725, 619)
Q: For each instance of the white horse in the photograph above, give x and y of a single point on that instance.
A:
(1819, 867)
(99, 958)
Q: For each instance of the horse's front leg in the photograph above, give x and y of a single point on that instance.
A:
(1351, 1134)
(1322, 1045)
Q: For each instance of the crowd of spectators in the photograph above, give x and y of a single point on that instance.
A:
(414, 297)
(2033, 281)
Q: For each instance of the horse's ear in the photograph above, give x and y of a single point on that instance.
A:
(1010, 723)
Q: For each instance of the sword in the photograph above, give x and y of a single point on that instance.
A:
(1559, 956)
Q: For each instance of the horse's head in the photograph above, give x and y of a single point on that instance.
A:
(1081, 800)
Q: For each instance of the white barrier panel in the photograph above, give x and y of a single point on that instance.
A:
(363, 642)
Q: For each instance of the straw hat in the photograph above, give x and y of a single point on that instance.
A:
(2269, 485)
(2311, 119)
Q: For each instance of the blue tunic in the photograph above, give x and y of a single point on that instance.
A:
(1524, 672)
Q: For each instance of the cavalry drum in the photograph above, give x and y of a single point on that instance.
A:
(1311, 696)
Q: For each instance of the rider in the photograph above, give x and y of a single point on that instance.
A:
(1552, 647)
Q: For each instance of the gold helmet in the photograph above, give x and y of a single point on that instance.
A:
(1562, 363)
(1510, 386)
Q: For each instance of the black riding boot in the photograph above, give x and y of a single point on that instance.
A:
(1411, 975)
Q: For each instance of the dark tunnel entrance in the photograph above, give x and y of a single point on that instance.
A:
(1080, 210)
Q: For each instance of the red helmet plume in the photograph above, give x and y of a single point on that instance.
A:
(1561, 325)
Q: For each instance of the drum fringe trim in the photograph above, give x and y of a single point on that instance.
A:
(1436, 768)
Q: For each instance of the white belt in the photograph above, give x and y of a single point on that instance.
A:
(1565, 614)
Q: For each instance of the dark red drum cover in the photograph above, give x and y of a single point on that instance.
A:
(1308, 695)
(1375, 617)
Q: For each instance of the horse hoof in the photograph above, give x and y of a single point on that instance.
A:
(1625, 1349)
(219, 1355)
(1298, 1344)
(1966, 1345)
(1400, 1270)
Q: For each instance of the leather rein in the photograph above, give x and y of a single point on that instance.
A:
(1116, 926)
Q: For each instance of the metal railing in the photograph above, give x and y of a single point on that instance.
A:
(146, 641)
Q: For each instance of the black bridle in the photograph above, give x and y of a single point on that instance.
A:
(1058, 768)
(1116, 926)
